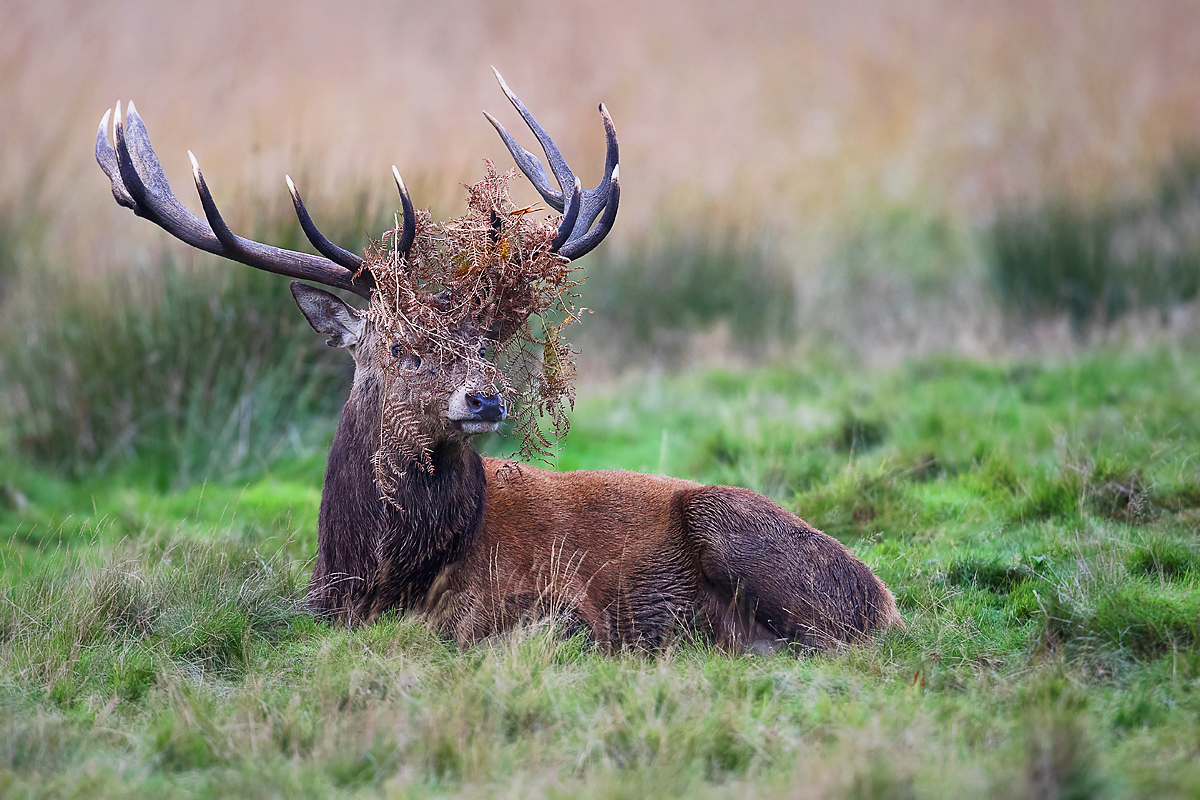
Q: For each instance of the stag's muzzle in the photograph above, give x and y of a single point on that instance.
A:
(486, 408)
(475, 412)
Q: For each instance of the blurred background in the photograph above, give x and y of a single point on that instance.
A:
(803, 183)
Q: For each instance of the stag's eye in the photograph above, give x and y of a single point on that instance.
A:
(408, 361)
(483, 352)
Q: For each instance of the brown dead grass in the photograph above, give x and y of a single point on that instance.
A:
(785, 114)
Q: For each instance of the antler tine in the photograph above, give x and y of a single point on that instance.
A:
(611, 157)
(140, 183)
(530, 165)
(146, 183)
(562, 172)
(338, 255)
(593, 201)
(409, 234)
(568, 221)
(106, 157)
(585, 244)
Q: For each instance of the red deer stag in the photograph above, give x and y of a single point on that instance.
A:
(412, 518)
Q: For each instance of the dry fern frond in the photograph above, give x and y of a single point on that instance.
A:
(488, 270)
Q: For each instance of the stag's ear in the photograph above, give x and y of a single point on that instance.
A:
(329, 314)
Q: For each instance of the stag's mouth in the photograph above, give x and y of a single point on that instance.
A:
(478, 426)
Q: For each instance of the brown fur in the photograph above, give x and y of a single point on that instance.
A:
(635, 558)
(479, 544)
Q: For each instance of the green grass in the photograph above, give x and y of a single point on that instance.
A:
(1038, 522)
(174, 371)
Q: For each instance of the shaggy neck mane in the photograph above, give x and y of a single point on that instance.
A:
(397, 551)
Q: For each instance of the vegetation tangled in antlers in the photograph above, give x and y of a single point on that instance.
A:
(492, 269)
(434, 287)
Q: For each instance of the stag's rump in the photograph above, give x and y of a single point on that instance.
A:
(769, 575)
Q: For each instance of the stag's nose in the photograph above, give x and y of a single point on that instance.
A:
(486, 408)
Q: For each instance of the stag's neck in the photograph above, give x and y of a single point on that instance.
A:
(375, 555)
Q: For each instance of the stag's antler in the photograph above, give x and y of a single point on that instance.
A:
(576, 235)
(138, 183)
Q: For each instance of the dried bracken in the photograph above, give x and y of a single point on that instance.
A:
(490, 270)
(441, 295)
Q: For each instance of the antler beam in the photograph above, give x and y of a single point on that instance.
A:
(139, 183)
(577, 235)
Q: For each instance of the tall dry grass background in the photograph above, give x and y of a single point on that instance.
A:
(797, 177)
(789, 116)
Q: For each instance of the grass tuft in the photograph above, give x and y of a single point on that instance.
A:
(117, 629)
(988, 574)
(1137, 618)
(1164, 557)
(857, 433)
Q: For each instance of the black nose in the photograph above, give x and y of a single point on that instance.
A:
(486, 408)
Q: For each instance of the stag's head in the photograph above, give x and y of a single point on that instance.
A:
(446, 337)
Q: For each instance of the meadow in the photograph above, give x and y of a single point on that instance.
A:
(1037, 522)
(927, 274)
